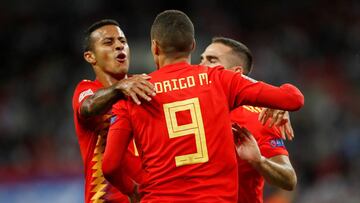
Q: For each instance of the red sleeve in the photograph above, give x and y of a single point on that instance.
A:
(118, 139)
(271, 144)
(133, 167)
(286, 97)
(83, 90)
(243, 90)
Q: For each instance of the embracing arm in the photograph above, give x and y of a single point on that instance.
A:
(103, 99)
(100, 102)
(286, 97)
(243, 90)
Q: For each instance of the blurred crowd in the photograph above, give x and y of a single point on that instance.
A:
(312, 44)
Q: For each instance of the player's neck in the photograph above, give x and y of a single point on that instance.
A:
(168, 60)
(106, 79)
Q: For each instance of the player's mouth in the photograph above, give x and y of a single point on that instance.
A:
(121, 58)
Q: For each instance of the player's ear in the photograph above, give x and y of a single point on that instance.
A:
(238, 69)
(155, 47)
(193, 45)
(90, 57)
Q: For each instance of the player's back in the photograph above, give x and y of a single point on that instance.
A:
(184, 137)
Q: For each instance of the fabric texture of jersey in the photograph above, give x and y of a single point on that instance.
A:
(91, 135)
(251, 183)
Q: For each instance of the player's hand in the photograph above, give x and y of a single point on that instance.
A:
(137, 87)
(246, 145)
(278, 118)
(286, 128)
(236, 132)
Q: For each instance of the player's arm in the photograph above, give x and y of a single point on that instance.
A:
(133, 169)
(276, 170)
(114, 164)
(243, 90)
(102, 100)
(286, 97)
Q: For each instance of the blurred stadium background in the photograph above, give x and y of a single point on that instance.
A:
(314, 44)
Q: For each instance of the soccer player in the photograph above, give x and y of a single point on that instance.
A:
(106, 49)
(262, 154)
(184, 133)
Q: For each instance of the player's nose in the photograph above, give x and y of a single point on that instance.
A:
(119, 45)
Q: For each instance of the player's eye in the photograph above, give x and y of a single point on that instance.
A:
(213, 60)
(108, 42)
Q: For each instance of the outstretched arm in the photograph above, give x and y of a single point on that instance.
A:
(286, 97)
(242, 90)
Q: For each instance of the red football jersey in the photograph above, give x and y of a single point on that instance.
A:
(184, 134)
(251, 183)
(91, 135)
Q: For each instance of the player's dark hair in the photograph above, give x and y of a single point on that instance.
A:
(239, 49)
(174, 32)
(87, 44)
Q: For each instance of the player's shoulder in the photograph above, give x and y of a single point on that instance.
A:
(218, 68)
(210, 69)
(248, 78)
(85, 82)
(85, 88)
(221, 70)
(88, 84)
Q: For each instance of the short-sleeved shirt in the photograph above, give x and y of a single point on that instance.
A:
(251, 183)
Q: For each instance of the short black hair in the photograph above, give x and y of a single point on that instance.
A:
(174, 32)
(87, 44)
(239, 49)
